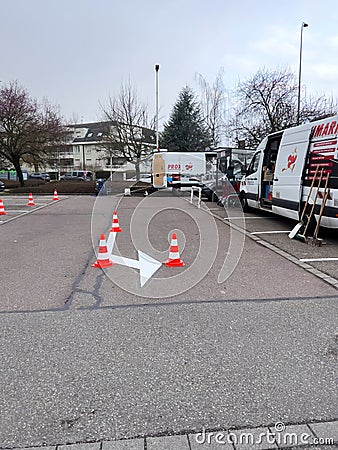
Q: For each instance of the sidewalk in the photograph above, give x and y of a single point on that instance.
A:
(317, 435)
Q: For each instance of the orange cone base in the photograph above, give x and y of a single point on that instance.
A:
(3, 213)
(103, 264)
(115, 230)
(174, 263)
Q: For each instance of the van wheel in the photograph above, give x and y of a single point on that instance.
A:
(244, 202)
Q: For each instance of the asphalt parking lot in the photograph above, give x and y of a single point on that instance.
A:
(273, 229)
(91, 357)
(17, 205)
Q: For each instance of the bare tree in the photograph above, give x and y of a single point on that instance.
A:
(131, 134)
(267, 102)
(214, 102)
(27, 128)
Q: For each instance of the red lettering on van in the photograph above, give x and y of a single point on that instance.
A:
(332, 127)
(325, 130)
(318, 131)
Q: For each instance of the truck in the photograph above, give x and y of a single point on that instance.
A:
(180, 169)
(294, 168)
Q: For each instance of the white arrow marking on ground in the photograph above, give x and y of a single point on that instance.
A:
(111, 241)
(145, 264)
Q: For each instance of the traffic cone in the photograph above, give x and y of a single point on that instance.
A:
(174, 256)
(115, 226)
(55, 195)
(103, 260)
(30, 200)
(2, 209)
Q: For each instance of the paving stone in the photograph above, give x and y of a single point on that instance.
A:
(325, 430)
(168, 443)
(293, 435)
(126, 444)
(253, 439)
(38, 448)
(210, 441)
(84, 446)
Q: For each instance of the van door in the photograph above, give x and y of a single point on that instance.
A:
(252, 181)
(287, 182)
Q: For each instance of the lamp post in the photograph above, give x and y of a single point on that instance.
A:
(157, 68)
(304, 25)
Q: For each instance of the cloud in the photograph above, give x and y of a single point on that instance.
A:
(326, 72)
(334, 41)
(277, 42)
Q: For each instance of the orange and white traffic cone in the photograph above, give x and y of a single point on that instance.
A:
(2, 209)
(115, 226)
(55, 195)
(174, 255)
(103, 260)
(30, 200)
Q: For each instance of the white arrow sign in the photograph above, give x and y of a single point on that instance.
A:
(111, 241)
(145, 263)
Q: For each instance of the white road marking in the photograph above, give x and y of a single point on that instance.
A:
(145, 264)
(270, 232)
(17, 210)
(318, 259)
(246, 218)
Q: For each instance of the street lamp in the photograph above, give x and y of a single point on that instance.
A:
(304, 25)
(157, 68)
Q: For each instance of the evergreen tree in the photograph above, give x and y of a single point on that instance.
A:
(186, 130)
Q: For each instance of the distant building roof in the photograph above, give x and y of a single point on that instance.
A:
(95, 132)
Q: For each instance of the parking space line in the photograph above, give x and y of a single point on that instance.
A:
(246, 218)
(270, 232)
(26, 212)
(317, 259)
(16, 210)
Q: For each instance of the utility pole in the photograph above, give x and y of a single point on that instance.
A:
(304, 25)
(157, 68)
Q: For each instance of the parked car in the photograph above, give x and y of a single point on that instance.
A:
(40, 176)
(2, 186)
(77, 175)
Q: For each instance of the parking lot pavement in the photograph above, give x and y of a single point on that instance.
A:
(43, 252)
(17, 205)
(269, 228)
(254, 268)
(86, 361)
(107, 374)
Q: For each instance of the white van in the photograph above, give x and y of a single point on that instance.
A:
(281, 171)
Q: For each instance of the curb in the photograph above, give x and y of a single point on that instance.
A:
(266, 437)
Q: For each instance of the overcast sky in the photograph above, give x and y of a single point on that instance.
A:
(78, 52)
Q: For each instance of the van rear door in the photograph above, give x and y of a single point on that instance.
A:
(287, 182)
(252, 179)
